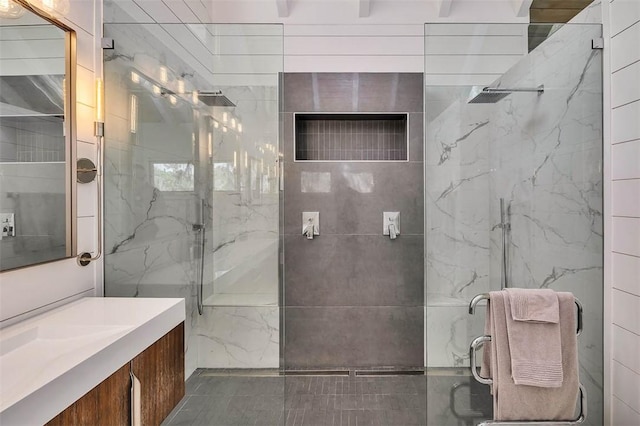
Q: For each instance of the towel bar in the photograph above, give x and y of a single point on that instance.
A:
(485, 296)
(479, 341)
(580, 420)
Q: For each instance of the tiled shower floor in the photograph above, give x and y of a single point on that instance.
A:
(226, 398)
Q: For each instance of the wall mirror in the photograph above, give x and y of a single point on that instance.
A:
(37, 137)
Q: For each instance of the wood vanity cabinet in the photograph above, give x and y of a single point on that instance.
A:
(160, 369)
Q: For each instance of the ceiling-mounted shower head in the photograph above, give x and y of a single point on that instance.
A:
(215, 99)
(491, 95)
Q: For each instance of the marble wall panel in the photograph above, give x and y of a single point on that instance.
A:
(152, 249)
(238, 337)
(542, 154)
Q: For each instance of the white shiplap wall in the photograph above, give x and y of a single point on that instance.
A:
(353, 48)
(471, 54)
(30, 290)
(624, 28)
(21, 56)
(332, 36)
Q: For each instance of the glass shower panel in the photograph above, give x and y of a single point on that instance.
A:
(191, 197)
(513, 191)
(244, 192)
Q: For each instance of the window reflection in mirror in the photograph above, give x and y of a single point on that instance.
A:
(35, 135)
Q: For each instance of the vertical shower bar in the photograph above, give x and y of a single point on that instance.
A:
(505, 226)
(200, 228)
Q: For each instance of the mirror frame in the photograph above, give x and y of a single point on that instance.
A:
(70, 138)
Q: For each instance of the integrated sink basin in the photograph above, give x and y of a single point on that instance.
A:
(69, 336)
(49, 361)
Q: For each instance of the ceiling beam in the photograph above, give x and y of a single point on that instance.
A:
(283, 8)
(445, 8)
(521, 7)
(364, 8)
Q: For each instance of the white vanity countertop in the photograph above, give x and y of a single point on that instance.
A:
(49, 361)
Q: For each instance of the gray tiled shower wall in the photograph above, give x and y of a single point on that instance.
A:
(353, 297)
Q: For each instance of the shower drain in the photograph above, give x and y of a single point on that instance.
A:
(356, 373)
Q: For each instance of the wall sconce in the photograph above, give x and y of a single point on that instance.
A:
(133, 114)
(224, 129)
(233, 123)
(10, 9)
(194, 97)
(173, 100)
(215, 124)
(180, 86)
(163, 75)
(64, 104)
(239, 127)
(54, 8)
(99, 123)
(156, 90)
(135, 77)
(225, 117)
(83, 259)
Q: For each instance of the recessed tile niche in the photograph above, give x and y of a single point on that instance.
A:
(351, 137)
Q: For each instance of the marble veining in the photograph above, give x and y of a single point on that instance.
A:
(238, 337)
(446, 148)
(541, 153)
(152, 247)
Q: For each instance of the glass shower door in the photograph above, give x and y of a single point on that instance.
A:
(513, 191)
(240, 326)
(192, 200)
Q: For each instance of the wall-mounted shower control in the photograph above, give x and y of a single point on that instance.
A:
(310, 224)
(391, 224)
(7, 225)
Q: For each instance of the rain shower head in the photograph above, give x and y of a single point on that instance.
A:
(491, 95)
(215, 99)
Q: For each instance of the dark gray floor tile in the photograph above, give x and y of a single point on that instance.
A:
(196, 402)
(322, 400)
(368, 417)
(295, 417)
(183, 418)
(404, 418)
(315, 418)
(217, 385)
(192, 384)
(351, 402)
